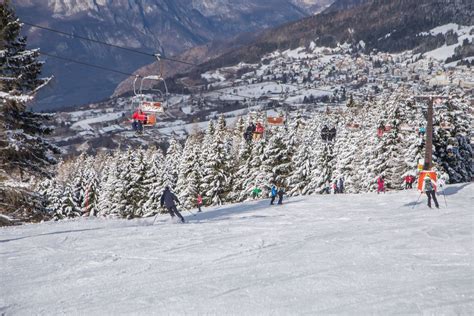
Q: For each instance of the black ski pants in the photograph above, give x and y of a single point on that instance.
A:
(273, 199)
(174, 211)
(432, 194)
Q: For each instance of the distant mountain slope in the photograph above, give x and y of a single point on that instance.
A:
(339, 5)
(387, 25)
(166, 26)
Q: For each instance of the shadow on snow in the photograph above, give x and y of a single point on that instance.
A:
(227, 211)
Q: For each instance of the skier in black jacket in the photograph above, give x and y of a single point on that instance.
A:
(281, 192)
(249, 132)
(168, 199)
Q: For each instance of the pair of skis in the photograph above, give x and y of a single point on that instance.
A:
(154, 219)
(419, 196)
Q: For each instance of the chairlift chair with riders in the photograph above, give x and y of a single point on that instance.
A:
(353, 126)
(275, 120)
(328, 134)
(446, 125)
(150, 104)
(383, 129)
(279, 119)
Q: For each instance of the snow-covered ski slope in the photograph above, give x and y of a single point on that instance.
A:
(329, 254)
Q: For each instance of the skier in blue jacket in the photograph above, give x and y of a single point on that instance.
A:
(168, 199)
(273, 194)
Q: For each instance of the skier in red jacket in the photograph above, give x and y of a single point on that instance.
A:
(258, 131)
(139, 119)
(381, 184)
(407, 181)
(199, 202)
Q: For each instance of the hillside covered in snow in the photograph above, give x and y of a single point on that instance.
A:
(307, 78)
(326, 254)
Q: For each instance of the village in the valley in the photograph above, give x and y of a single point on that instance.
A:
(305, 79)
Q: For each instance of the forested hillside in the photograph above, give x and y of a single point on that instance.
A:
(224, 167)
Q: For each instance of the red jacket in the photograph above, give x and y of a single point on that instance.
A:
(380, 182)
(199, 199)
(139, 116)
(259, 128)
(408, 179)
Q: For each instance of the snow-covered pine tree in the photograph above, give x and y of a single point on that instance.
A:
(91, 195)
(78, 181)
(189, 178)
(241, 169)
(390, 147)
(277, 159)
(67, 207)
(322, 167)
(216, 176)
(239, 129)
(22, 146)
(205, 148)
(52, 193)
(347, 158)
(172, 161)
(108, 180)
(411, 149)
(256, 177)
(154, 183)
(302, 163)
(451, 141)
(129, 195)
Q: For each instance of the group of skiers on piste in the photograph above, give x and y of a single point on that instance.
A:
(429, 187)
(336, 187)
(274, 192)
(169, 199)
(409, 180)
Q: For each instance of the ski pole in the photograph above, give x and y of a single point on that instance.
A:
(444, 195)
(416, 203)
(194, 214)
(155, 218)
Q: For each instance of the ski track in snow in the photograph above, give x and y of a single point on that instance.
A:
(328, 254)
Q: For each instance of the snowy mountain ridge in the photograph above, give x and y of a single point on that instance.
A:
(67, 8)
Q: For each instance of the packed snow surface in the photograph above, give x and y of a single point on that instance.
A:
(326, 254)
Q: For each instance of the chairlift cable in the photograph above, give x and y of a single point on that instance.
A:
(299, 87)
(107, 44)
(89, 65)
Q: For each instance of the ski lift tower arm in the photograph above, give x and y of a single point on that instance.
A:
(135, 85)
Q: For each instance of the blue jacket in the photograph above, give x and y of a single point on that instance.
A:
(274, 191)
